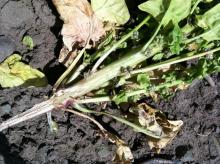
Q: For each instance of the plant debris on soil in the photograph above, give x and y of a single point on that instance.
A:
(188, 104)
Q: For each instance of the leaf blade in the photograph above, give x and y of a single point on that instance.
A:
(15, 73)
(113, 11)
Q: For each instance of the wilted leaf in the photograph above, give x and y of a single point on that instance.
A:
(156, 121)
(210, 21)
(113, 11)
(15, 73)
(170, 9)
(28, 41)
(80, 23)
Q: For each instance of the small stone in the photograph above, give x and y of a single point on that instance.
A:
(7, 47)
(29, 152)
(104, 152)
(188, 157)
(218, 130)
(6, 108)
(65, 161)
(196, 128)
(171, 116)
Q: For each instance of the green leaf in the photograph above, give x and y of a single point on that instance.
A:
(28, 41)
(210, 18)
(210, 21)
(158, 56)
(122, 97)
(172, 10)
(153, 7)
(143, 80)
(113, 11)
(177, 38)
(169, 77)
(15, 73)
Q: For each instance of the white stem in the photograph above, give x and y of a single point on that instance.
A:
(77, 73)
(36, 110)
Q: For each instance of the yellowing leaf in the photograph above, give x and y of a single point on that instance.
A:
(155, 121)
(113, 11)
(80, 23)
(15, 73)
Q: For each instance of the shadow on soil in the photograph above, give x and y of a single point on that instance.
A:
(9, 156)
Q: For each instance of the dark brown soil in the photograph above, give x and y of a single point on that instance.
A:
(76, 140)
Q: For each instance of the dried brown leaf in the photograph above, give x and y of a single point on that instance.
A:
(80, 23)
(81, 27)
(123, 152)
(67, 57)
(156, 121)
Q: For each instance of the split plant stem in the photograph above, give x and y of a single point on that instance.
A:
(116, 45)
(84, 86)
(94, 81)
(97, 79)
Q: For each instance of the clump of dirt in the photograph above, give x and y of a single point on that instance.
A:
(77, 140)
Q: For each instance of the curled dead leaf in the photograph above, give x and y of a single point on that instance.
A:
(80, 23)
(156, 121)
(67, 57)
(123, 152)
(81, 27)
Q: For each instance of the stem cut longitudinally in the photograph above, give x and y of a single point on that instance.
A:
(94, 81)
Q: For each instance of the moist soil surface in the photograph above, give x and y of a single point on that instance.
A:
(77, 139)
